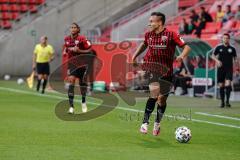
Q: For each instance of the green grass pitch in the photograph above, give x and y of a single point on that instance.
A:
(30, 130)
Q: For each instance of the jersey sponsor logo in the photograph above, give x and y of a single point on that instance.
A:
(162, 46)
(76, 42)
(229, 50)
(181, 39)
(88, 42)
(164, 38)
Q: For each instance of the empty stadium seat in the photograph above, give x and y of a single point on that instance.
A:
(23, 8)
(212, 27)
(3, 1)
(173, 28)
(5, 15)
(187, 3)
(23, 1)
(15, 16)
(33, 8)
(6, 24)
(4, 7)
(13, 1)
(14, 8)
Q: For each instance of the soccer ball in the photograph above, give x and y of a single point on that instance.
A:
(20, 81)
(183, 134)
(7, 77)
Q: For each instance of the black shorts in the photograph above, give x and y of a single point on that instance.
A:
(165, 82)
(77, 72)
(223, 74)
(43, 68)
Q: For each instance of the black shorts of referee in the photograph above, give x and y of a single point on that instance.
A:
(224, 74)
(43, 68)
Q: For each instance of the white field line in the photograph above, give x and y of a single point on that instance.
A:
(120, 108)
(218, 116)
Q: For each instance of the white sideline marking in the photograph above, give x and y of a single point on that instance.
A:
(121, 108)
(218, 116)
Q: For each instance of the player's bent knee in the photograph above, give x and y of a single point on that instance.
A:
(162, 100)
(71, 80)
(221, 85)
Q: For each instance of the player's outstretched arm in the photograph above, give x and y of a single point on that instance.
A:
(142, 47)
(184, 54)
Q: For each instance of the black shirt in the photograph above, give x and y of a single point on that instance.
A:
(226, 55)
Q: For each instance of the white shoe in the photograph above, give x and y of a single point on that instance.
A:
(84, 107)
(144, 128)
(156, 129)
(71, 110)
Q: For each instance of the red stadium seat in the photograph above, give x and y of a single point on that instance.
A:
(33, 8)
(4, 7)
(13, 1)
(6, 24)
(187, 3)
(3, 1)
(14, 8)
(173, 28)
(23, 1)
(5, 15)
(23, 8)
(212, 27)
(41, 1)
(33, 1)
(15, 16)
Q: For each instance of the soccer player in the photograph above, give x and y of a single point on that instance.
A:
(224, 55)
(161, 44)
(42, 55)
(76, 45)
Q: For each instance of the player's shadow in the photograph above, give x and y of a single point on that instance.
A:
(154, 142)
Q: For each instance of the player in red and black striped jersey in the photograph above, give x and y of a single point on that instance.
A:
(75, 45)
(158, 65)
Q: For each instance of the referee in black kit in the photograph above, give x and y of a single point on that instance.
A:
(224, 55)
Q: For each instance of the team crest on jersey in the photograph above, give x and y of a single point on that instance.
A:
(181, 39)
(67, 43)
(164, 38)
(76, 42)
(220, 50)
(229, 50)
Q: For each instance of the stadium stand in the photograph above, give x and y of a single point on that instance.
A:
(12, 10)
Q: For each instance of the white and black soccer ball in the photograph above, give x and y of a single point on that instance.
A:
(7, 77)
(20, 81)
(183, 134)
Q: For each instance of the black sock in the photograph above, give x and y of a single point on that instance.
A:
(71, 94)
(150, 105)
(38, 84)
(44, 85)
(83, 99)
(228, 93)
(222, 94)
(160, 112)
(83, 88)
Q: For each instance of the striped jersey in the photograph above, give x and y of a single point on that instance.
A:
(161, 48)
(80, 41)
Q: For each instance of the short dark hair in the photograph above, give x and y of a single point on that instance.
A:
(160, 15)
(227, 34)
